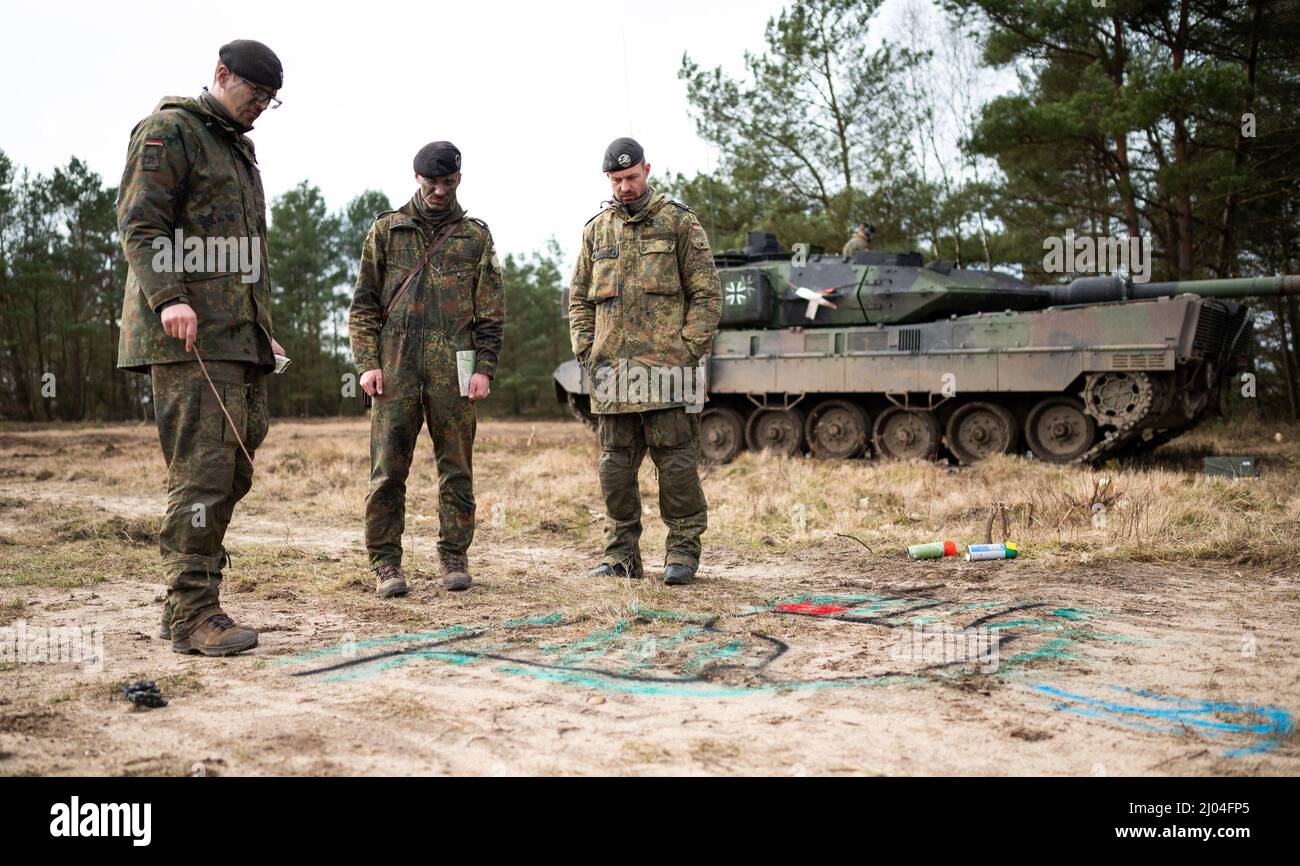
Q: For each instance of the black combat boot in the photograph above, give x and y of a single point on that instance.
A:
(678, 575)
(623, 568)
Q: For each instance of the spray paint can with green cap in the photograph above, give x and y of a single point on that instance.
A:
(982, 552)
(934, 550)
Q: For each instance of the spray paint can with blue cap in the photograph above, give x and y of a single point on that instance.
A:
(983, 552)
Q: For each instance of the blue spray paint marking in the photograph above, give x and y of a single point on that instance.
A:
(1182, 715)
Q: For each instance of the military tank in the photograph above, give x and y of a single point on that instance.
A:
(880, 354)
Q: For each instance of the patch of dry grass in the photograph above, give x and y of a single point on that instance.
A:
(537, 489)
(1118, 512)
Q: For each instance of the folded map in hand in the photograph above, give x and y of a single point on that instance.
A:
(465, 359)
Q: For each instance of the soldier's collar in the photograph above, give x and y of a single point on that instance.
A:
(656, 201)
(402, 220)
(218, 111)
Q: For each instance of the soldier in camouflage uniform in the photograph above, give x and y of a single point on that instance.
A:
(191, 173)
(859, 241)
(407, 359)
(645, 296)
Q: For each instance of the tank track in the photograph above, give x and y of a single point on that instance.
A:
(1114, 442)
(1127, 441)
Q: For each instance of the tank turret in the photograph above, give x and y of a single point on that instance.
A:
(764, 286)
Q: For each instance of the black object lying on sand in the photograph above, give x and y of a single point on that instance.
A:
(144, 693)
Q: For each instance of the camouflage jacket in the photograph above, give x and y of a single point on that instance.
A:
(456, 303)
(190, 171)
(855, 244)
(645, 292)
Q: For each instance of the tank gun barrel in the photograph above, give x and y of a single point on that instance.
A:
(1242, 287)
(1092, 290)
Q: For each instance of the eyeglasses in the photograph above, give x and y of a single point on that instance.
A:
(260, 95)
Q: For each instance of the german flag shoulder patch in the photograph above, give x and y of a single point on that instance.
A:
(152, 157)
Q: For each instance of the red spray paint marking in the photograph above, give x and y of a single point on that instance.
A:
(812, 609)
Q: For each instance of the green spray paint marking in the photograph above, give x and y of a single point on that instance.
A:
(549, 619)
(628, 658)
(349, 647)
(820, 598)
(710, 653)
(1057, 648)
(650, 613)
(593, 646)
(644, 651)
(411, 637)
(1036, 624)
(1073, 613)
(1062, 629)
(686, 688)
(387, 664)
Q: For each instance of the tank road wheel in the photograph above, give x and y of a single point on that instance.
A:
(904, 433)
(722, 435)
(979, 430)
(836, 430)
(779, 431)
(1118, 398)
(1058, 430)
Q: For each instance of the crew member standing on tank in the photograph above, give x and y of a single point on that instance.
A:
(191, 171)
(860, 240)
(645, 294)
(406, 337)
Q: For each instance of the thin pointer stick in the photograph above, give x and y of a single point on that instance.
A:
(222, 404)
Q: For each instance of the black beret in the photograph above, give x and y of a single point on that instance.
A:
(250, 59)
(437, 159)
(622, 153)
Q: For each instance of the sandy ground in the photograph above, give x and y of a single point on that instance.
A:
(804, 663)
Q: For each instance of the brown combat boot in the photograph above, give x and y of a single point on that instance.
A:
(390, 581)
(217, 636)
(455, 573)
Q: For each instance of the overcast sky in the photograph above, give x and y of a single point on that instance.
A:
(530, 92)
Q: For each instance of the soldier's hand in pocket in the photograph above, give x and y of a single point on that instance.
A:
(179, 321)
(372, 382)
(479, 386)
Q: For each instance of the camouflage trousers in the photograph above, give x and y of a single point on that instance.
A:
(395, 422)
(672, 436)
(206, 475)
